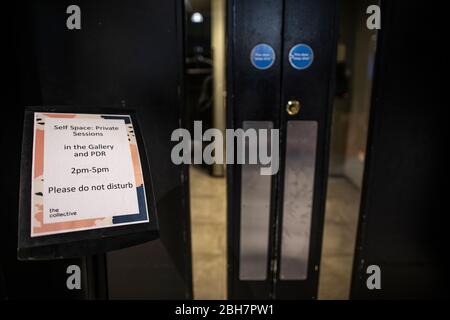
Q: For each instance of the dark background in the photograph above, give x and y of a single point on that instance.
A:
(403, 220)
(130, 56)
(126, 55)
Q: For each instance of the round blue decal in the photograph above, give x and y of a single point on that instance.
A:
(301, 56)
(262, 56)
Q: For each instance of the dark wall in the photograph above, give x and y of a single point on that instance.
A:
(126, 55)
(402, 226)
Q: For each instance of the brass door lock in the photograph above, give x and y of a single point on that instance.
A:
(293, 107)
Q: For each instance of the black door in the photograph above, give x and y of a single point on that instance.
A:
(402, 227)
(280, 77)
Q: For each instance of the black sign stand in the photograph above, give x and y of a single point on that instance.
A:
(79, 243)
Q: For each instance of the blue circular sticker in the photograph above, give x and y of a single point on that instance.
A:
(262, 56)
(301, 56)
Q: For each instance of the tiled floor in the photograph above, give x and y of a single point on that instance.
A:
(208, 218)
(208, 229)
(341, 219)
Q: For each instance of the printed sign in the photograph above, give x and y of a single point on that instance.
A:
(86, 173)
(262, 56)
(301, 56)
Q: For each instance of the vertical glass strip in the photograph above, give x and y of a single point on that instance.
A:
(301, 143)
(255, 214)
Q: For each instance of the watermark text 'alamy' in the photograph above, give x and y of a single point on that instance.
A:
(251, 146)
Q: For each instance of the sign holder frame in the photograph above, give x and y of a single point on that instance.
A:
(84, 242)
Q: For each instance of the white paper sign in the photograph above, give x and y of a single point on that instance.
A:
(87, 173)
